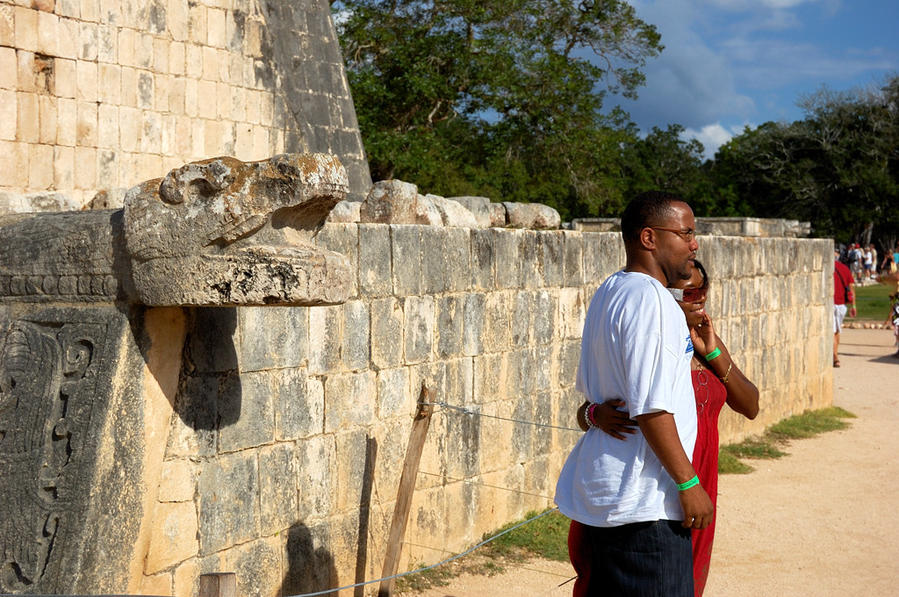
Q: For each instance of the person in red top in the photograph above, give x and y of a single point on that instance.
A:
(716, 381)
(843, 294)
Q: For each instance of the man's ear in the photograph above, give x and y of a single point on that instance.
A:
(648, 239)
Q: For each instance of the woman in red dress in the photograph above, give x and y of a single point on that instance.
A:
(716, 381)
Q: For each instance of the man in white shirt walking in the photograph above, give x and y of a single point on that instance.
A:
(640, 497)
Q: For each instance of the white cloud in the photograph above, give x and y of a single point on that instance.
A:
(712, 136)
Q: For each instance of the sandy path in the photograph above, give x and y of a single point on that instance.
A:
(823, 521)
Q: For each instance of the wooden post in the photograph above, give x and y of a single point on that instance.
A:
(406, 489)
(219, 584)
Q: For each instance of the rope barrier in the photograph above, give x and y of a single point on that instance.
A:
(432, 566)
(470, 482)
(479, 414)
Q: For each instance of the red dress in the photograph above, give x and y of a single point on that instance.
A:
(710, 396)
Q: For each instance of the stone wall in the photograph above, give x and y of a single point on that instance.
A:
(96, 95)
(291, 424)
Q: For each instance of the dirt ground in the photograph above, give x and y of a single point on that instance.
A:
(823, 521)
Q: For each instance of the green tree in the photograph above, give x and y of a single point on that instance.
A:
(837, 168)
(496, 96)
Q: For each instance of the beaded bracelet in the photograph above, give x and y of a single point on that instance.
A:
(589, 415)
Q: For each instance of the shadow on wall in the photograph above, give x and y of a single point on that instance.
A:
(310, 569)
(209, 389)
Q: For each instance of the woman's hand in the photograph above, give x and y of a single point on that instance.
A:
(616, 423)
(703, 336)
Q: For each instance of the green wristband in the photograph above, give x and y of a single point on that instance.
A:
(714, 354)
(688, 484)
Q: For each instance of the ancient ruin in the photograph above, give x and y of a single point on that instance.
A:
(211, 364)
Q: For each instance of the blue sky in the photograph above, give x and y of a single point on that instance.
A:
(732, 63)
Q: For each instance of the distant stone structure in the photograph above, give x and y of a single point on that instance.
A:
(757, 227)
(98, 96)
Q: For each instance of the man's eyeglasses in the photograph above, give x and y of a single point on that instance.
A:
(689, 295)
(688, 235)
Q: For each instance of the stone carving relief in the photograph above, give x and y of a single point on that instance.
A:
(227, 232)
(48, 374)
(212, 233)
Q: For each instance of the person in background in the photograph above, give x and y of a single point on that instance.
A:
(893, 319)
(726, 385)
(843, 294)
(869, 262)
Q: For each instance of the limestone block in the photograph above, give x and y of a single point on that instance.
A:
(386, 332)
(394, 395)
(462, 445)
(192, 430)
(457, 260)
(545, 368)
(351, 459)
(349, 400)
(534, 216)
(483, 211)
(569, 357)
(157, 584)
(453, 214)
(228, 490)
(526, 365)
(374, 259)
(246, 411)
(426, 211)
(346, 212)
(418, 328)
(406, 250)
(307, 561)
(325, 339)
(342, 239)
(522, 318)
(173, 536)
(272, 338)
(316, 458)
(299, 404)
(497, 327)
(529, 272)
(450, 320)
(433, 259)
(545, 311)
(277, 488)
(35, 202)
(550, 256)
(226, 232)
(256, 566)
(356, 350)
(473, 324)
(390, 202)
(482, 259)
(177, 481)
(573, 259)
(506, 258)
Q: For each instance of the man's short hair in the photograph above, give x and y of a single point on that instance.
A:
(649, 208)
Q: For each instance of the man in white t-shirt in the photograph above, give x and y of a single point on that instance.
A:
(639, 497)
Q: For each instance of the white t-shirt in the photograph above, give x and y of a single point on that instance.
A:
(636, 346)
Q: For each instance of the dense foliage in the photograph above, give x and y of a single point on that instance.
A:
(837, 168)
(501, 98)
(506, 99)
